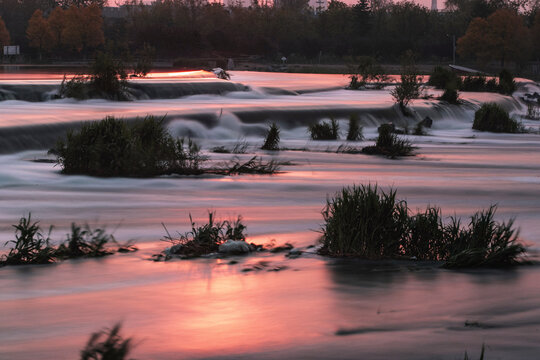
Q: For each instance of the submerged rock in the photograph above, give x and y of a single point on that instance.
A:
(235, 247)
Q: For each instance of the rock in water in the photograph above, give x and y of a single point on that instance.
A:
(234, 247)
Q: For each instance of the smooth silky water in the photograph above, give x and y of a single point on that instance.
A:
(313, 307)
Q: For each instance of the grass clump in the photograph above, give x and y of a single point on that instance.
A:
(111, 147)
(254, 165)
(239, 148)
(484, 242)
(389, 144)
(85, 242)
(324, 130)
(271, 142)
(30, 245)
(107, 344)
(492, 117)
(364, 221)
(355, 132)
(205, 239)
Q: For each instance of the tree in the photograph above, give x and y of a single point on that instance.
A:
(57, 23)
(4, 34)
(536, 34)
(84, 28)
(502, 37)
(38, 33)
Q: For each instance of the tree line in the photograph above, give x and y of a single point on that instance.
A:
(505, 31)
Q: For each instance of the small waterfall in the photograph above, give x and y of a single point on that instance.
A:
(136, 90)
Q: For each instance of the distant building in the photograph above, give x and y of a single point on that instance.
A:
(434, 5)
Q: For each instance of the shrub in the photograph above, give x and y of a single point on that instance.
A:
(30, 245)
(367, 71)
(408, 89)
(492, 117)
(388, 144)
(84, 241)
(107, 345)
(367, 222)
(325, 130)
(205, 239)
(442, 78)
(112, 148)
(145, 58)
(476, 82)
(271, 141)
(355, 130)
(451, 96)
(107, 80)
(410, 86)
(507, 85)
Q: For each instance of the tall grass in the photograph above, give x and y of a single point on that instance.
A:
(206, 238)
(254, 165)
(367, 222)
(271, 142)
(324, 130)
(363, 221)
(31, 246)
(85, 241)
(107, 344)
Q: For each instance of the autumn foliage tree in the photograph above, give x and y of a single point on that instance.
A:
(83, 28)
(4, 35)
(502, 37)
(57, 24)
(39, 33)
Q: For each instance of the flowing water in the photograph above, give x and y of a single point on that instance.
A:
(310, 307)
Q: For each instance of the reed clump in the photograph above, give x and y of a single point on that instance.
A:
(31, 246)
(84, 241)
(324, 130)
(271, 141)
(389, 144)
(107, 344)
(203, 239)
(111, 147)
(367, 222)
(492, 117)
(255, 165)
